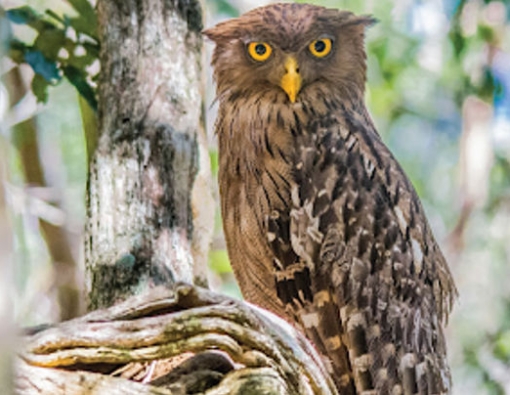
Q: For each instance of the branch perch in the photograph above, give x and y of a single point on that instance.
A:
(254, 349)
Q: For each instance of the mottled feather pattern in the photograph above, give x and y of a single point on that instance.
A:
(385, 292)
(322, 225)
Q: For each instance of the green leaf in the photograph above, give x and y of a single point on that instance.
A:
(78, 78)
(80, 62)
(458, 41)
(82, 25)
(487, 33)
(502, 346)
(84, 8)
(213, 157)
(40, 88)
(17, 51)
(46, 68)
(219, 262)
(92, 49)
(28, 16)
(54, 15)
(86, 22)
(49, 42)
(23, 15)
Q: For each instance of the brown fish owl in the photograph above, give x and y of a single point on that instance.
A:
(322, 225)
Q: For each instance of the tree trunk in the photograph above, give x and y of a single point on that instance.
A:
(139, 228)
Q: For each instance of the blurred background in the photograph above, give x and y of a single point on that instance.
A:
(438, 89)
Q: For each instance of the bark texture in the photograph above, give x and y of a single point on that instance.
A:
(139, 227)
(255, 351)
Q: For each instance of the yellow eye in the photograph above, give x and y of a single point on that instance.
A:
(320, 47)
(259, 51)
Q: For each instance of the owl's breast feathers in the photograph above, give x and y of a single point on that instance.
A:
(324, 228)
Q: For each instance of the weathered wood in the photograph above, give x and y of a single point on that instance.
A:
(36, 380)
(268, 354)
(139, 227)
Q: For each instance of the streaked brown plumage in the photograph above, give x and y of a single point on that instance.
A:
(322, 225)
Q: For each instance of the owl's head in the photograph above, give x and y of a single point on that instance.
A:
(288, 49)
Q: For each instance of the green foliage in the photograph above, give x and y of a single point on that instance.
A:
(499, 183)
(224, 7)
(219, 262)
(65, 47)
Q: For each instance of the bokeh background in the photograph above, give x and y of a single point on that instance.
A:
(439, 91)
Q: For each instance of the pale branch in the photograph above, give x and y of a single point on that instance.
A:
(259, 351)
(36, 380)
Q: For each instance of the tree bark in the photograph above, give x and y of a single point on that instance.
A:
(139, 227)
(261, 353)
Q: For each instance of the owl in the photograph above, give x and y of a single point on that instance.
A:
(322, 225)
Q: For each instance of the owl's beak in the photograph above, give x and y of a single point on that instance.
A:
(291, 80)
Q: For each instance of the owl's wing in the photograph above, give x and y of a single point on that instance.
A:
(356, 264)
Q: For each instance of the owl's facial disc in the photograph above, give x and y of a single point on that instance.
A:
(291, 80)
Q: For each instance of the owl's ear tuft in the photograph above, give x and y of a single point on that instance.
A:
(211, 33)
(223, 31)
(362, 20)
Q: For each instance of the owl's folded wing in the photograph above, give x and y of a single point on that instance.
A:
(357, 265)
